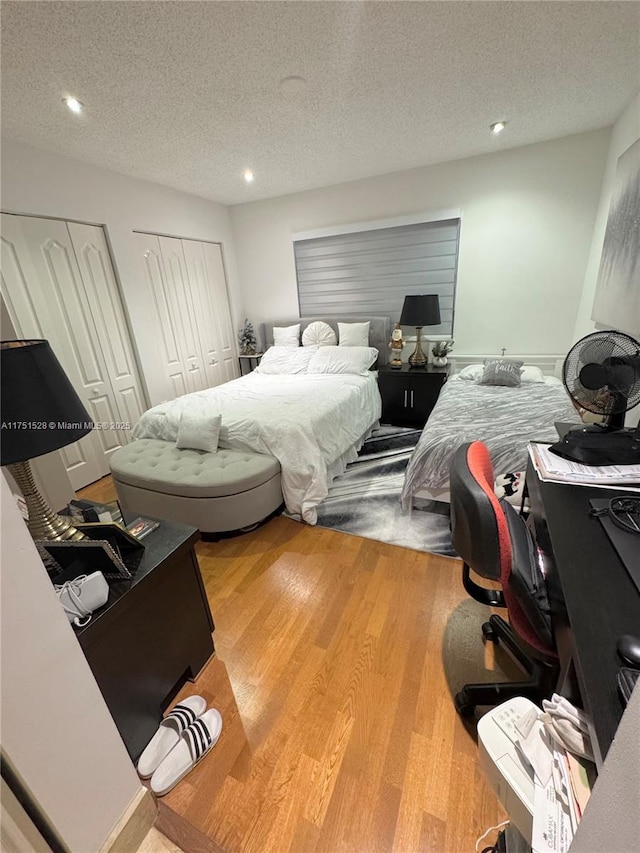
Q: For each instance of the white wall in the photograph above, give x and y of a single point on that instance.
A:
(56, 729)
(40, 183)
(611, 821)
(527, 223)
(623, 134)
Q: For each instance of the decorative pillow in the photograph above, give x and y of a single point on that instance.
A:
(319, 334)
(198, 430)
(286, 336)
(472, 372)
(531, 373)
(501, 371)
(354, 334)
(343, 360)
(285, 360)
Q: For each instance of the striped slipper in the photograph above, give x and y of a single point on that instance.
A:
(168, 735)
(195, 742)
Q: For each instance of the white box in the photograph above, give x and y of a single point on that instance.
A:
(510, 776)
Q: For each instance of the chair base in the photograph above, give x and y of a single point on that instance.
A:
(542, 673)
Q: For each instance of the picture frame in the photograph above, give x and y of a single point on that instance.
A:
(127, 547)
(67, 560)
(617, 298)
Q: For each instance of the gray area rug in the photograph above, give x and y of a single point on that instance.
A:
(365, 500)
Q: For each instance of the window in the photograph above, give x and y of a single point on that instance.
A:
(369, 272)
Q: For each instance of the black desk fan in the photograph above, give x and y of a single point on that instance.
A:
(602, 375)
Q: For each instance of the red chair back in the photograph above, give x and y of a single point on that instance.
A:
(478, 526)
(480, 531)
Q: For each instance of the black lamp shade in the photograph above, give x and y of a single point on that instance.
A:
(41, 410)
(420, 311)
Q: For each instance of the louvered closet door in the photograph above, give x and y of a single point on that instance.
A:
(184, 317)
(45, 298)
(101, 289)
(204, 265)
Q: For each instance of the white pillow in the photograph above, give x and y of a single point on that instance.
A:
(343, 360)
(531, 373)
(353, 334)
(472, 371)
(285, 360)
(198, 430)
(286, 336)
(319, 334)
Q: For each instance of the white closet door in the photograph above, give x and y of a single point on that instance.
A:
(185, 313)
(45, 299)
(219, 298)
(209, 313)
(164, 306)
(101, 289)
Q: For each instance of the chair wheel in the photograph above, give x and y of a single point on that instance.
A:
(488, 632)
(464, 708)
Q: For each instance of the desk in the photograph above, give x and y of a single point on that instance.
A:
(593, 600)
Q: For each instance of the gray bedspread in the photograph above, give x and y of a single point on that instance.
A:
(505, 419)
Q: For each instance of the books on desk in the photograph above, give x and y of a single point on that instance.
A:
(555, 469)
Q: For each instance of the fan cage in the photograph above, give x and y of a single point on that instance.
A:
(598, 348)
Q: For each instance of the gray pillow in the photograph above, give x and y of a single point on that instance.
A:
(501, 371)
(199, 430)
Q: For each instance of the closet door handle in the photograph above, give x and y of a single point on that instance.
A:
(412, 398)
(405, 398)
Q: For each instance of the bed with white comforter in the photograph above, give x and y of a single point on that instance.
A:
(312, 423)
(505, 419)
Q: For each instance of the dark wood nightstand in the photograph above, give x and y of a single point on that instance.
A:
(251, 362)
(152, 635)
(410, 393)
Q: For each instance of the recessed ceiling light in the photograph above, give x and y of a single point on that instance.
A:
(293, 85)
(74, 104)
(497, 127)
(248, 176)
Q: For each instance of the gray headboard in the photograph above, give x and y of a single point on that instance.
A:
(379, 330)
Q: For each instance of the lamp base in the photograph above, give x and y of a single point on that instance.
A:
(43, 522)
(418, 358)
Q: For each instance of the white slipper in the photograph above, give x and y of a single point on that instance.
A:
(168, 734)
(195, 742)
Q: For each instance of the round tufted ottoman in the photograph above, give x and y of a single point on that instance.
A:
(215, 492)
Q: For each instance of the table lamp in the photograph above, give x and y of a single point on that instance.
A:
(41, 412)
(420, 311)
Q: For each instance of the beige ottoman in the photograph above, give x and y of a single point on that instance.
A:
(215, 492)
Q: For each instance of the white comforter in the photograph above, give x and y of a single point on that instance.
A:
(311, 423)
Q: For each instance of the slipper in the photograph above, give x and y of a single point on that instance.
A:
(195, 742)
(168, 734)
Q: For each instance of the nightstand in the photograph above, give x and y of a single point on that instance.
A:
(410, 393)
(252, 361)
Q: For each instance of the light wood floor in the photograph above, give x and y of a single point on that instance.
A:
(337, 658)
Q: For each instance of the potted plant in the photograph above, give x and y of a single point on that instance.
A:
(247, 339)
(440, 350)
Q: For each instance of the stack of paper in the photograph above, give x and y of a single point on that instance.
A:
(561, 784)
(555, 469)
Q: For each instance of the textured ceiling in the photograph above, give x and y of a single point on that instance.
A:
(187, 94)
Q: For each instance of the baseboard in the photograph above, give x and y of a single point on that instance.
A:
(135, 823)
(184, 834)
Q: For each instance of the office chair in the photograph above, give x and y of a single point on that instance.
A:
(493, 540)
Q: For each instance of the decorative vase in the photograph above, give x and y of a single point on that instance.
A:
(440, 360)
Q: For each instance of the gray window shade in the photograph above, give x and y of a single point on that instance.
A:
(370, 272)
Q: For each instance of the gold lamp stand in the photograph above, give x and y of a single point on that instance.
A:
(418, 358)
(43, 523)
